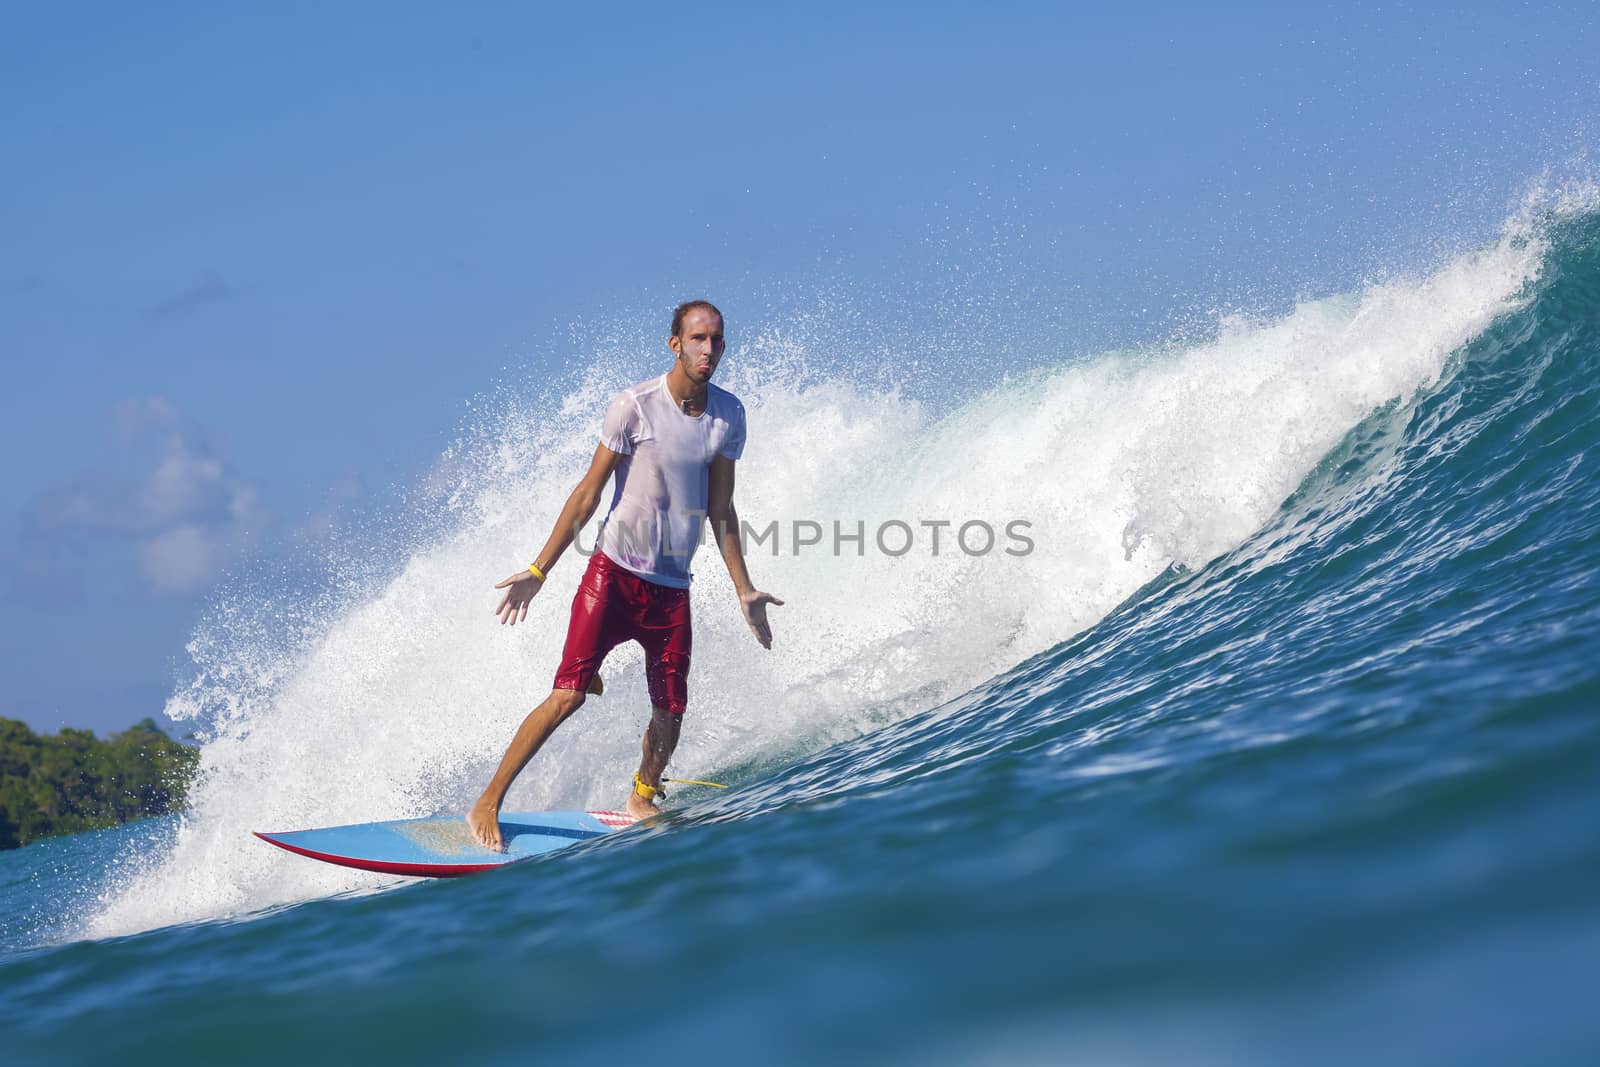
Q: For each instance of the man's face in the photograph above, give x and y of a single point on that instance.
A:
(699, 347)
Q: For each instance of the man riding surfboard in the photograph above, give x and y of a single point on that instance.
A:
(672, 443)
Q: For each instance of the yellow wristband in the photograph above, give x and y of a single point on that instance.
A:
(533, 569)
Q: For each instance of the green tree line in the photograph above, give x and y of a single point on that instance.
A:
(72, 781)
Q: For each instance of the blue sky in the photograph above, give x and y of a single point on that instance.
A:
(256, 262)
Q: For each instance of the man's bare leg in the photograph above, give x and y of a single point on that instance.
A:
(484, 818)
(659, 740)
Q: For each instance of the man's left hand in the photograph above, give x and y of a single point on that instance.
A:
(755, 604)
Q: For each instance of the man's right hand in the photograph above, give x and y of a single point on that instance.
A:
(520, 589)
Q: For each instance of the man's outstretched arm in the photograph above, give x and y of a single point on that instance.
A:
(725, 527)
(579, 509)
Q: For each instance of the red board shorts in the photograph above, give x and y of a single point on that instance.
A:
(614, 605)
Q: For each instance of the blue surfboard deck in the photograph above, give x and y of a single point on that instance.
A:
(443, 847)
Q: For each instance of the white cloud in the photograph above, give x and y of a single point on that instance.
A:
(180, 560)
(186, 516)
(184, 486)
(133, 417)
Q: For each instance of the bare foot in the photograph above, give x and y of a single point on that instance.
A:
(484, 819)
(640, 808)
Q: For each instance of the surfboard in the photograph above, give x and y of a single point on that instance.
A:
(443, 847)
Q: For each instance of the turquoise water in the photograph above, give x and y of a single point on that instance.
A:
(1326, 793)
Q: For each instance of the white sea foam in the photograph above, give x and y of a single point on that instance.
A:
(397, 700)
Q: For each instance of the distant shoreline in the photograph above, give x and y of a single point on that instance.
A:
(72, 781)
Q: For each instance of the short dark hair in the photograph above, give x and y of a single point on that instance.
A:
(687, 306)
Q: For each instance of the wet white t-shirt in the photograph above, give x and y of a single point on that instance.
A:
(659, 507)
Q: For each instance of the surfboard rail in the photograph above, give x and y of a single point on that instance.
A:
(443, 847)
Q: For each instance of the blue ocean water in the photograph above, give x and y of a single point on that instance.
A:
(1282, 748)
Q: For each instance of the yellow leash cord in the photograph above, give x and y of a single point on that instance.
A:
(650, 792)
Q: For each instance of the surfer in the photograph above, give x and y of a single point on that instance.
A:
(672, 442)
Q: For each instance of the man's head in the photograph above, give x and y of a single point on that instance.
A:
(697, 339)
